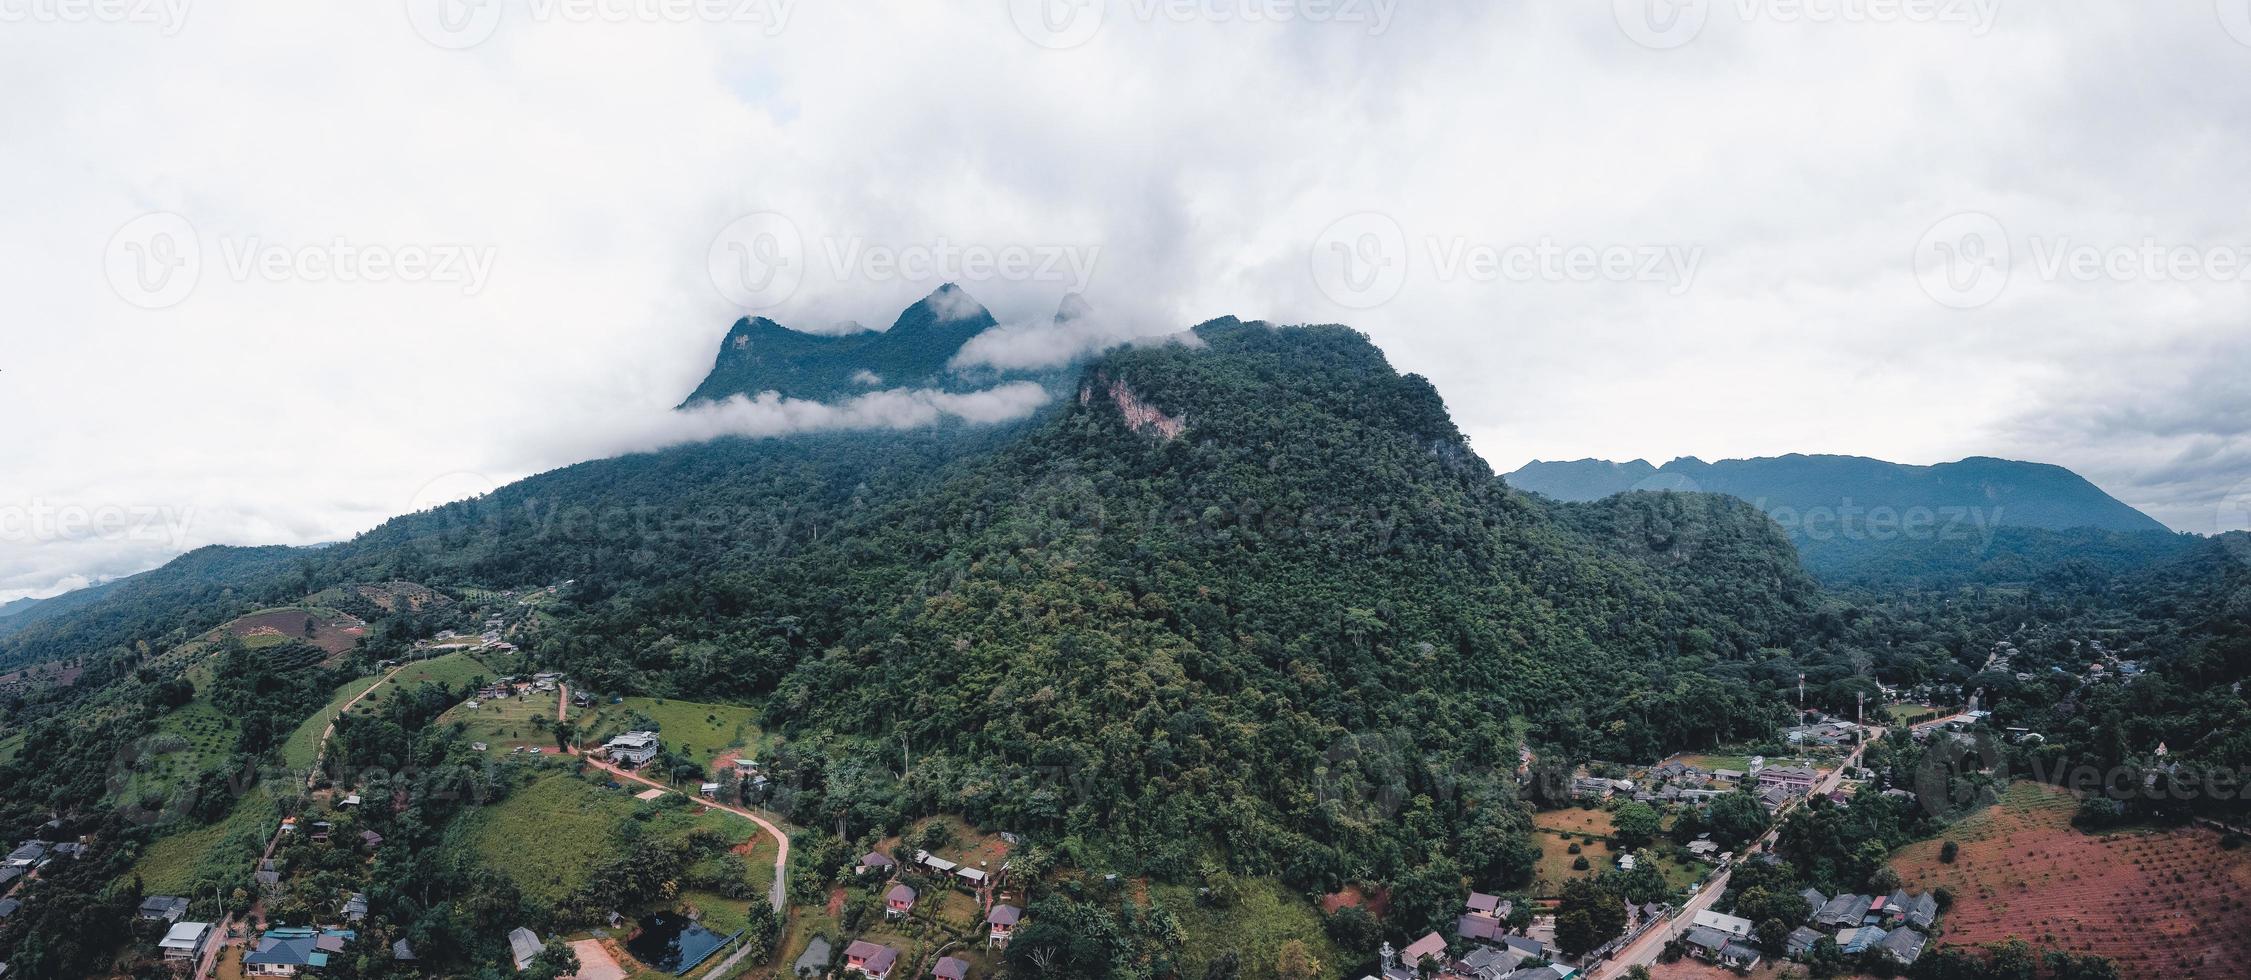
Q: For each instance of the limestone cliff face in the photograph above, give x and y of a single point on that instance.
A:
(1140, 416)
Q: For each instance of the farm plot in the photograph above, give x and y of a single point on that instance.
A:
(2160, 902)
(508, 724)
(1559, 832)
(333, 632)
(187, 740)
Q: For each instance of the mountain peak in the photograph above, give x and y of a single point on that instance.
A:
(760, 355)
(1073, 307)
(948, 304)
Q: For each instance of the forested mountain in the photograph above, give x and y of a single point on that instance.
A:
(759, 355)
(1215, 573)
(1214, 567)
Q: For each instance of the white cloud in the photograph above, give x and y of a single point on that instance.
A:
(594, 161)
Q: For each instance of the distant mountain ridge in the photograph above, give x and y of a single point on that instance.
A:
(1994, 492)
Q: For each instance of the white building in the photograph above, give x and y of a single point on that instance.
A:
(185, 940)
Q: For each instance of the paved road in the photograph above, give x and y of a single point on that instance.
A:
(219, 939)
(780, 891)
(1644, 951)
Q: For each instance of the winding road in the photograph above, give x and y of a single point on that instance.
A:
(777, 894)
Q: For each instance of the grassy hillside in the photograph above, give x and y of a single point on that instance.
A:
(223, 852)
(1266, 915)
(548, 835)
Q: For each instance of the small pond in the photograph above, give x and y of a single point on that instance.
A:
(671, 942)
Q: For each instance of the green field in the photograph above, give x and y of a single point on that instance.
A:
(223, 851)
(575, 825)
(10, 746)
(1267, 916)
(696, 731)
(507, 723)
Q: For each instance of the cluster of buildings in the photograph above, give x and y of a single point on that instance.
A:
(1679, 782)
(1831, 733)
(1494, 953)
(1896, 926)
(182, 940)
(877, 961)
(1724, 939)
(34, 854)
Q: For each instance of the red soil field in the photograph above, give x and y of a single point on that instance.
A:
(332, 637)
(2167, 903)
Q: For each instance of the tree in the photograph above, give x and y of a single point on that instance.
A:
(1575, 933)
(1636, 824)
(1737, 819)
(555, 959)
(1948, 851)
(1354, 930)
(1591, 913)
(1295, 962)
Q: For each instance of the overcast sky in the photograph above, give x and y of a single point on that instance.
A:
(275, 271)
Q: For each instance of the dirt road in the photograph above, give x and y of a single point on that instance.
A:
(781, 856)
(219, 939)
